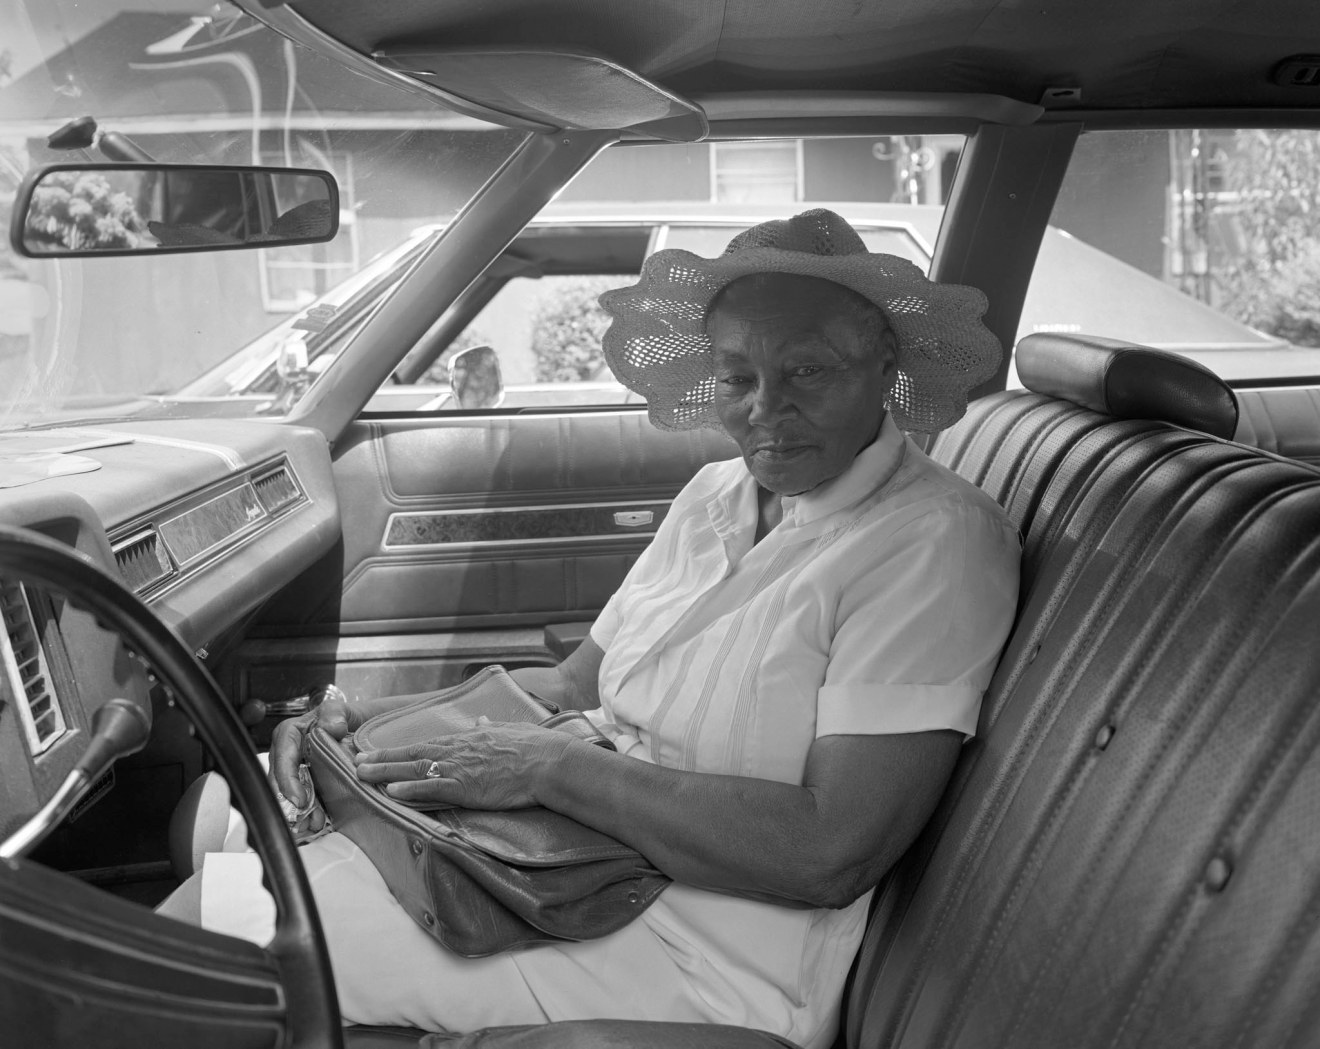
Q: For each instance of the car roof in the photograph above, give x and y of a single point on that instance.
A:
(1119, 55)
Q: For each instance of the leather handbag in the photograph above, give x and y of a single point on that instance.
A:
(481, 882)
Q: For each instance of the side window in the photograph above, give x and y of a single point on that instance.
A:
(536, 309)
(1204, 242)
(546, 332)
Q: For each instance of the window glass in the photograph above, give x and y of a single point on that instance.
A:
(536, 305)
(200, 82)
(1204, 242)
(296, 275)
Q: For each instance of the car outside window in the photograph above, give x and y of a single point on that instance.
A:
(1203, 242)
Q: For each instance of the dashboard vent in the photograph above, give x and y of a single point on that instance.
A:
(277, 489)
(142, 560)
(28, 672)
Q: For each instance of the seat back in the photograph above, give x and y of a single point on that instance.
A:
(1127, 854)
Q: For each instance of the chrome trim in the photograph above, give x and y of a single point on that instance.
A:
(485, 544)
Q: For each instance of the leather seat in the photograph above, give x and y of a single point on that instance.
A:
(1126, 854)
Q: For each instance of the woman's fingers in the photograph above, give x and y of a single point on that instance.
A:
(411, 778)
(492, 767)
(384, 771)
(412, 752)
(436, 791)
(332, 715)
(285, 757)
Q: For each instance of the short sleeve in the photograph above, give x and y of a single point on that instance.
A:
(919, 632)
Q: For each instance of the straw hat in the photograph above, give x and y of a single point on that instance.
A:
(657, 344)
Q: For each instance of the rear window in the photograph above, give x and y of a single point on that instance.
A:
(1203, 242)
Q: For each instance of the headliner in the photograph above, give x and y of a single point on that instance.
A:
(1123, 54)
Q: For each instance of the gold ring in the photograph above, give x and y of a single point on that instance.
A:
(433, 770)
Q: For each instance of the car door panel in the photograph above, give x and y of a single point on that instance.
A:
(477, 520)
(474, 528)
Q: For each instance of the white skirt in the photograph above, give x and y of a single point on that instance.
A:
(693, 956)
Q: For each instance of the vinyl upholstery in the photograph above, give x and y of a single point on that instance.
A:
(1116, 861)
(1127, 853)
(1127, 381)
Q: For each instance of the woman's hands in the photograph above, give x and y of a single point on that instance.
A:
(495, 766)
(336, 715)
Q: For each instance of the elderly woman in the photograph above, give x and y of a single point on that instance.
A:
(788, 672)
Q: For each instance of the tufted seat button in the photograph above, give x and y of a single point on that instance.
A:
(1103, 737)
(1034, 653)
(428, 919)
(634, 897)
(1217, 873)
(415, 846)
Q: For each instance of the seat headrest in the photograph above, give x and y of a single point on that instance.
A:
(1127, 381)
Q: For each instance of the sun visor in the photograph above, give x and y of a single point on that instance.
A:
(553, 88)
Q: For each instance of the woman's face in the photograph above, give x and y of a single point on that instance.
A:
(800, 376)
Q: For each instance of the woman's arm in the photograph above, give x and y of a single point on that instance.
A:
(573, 684)
(862, 802)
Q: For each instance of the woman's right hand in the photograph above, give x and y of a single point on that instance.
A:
(336, 715)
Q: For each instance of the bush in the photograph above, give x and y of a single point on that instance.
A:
(568, 328)
(80, 211)
(1275, 285)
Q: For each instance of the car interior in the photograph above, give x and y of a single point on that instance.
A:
(1127, 853)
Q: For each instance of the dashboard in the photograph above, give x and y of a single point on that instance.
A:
(204, 520)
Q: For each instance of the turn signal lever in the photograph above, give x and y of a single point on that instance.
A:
(119, 728)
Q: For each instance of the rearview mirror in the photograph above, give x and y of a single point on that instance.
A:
(78, 210)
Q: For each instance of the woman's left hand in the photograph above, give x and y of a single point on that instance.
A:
(495, 766)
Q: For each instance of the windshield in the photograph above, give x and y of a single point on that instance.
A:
(199, 83)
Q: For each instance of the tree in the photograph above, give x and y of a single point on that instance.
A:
(80, 211)
(1275, 284)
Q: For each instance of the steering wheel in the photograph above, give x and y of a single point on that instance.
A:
(301, 962)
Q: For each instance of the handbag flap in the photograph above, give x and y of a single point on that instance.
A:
(491, 693)
(532, 837)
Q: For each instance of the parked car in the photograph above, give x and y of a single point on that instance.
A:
(229, 477)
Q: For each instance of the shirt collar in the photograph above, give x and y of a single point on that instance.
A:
(874, 465)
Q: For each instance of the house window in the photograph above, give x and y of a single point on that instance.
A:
(756, 172)
(293, 276)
